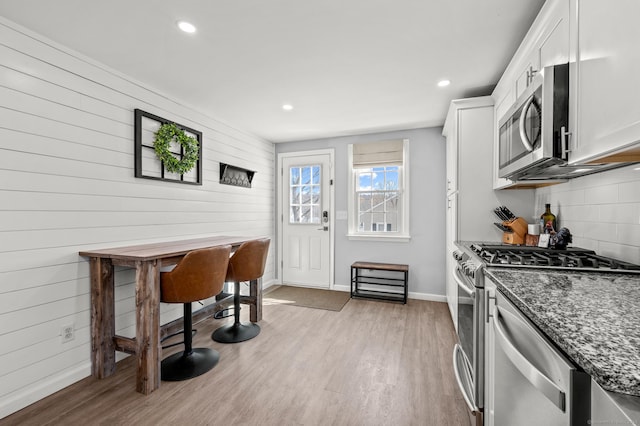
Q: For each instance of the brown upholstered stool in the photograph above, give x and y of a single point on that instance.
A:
(246, 264)
(199, 275)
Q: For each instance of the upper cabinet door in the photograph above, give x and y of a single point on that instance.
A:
(527, 73)
(604, 108)
(547, 43)
(553, 48)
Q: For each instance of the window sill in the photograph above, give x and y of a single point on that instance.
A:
(385, 238)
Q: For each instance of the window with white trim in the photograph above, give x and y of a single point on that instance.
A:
(379, 196)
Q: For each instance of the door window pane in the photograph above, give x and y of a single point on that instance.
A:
(295, 175)
(306, 195)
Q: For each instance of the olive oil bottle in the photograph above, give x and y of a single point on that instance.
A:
(548, 220)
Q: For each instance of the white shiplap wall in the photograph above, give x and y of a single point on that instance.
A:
(67, 184)
(602, 211)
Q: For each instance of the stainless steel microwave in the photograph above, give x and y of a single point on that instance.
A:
(533, 134)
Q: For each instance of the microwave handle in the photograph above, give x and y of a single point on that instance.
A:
(523, 133)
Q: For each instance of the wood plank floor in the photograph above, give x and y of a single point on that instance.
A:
(373, 363)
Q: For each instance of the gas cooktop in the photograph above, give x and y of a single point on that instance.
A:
(536, 257)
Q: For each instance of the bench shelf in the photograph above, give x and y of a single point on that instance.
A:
(391, 286)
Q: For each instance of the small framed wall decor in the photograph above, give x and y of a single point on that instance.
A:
(165, 150)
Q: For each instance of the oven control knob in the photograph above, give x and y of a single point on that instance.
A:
(467, 268)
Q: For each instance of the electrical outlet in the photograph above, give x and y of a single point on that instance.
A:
(67, 333)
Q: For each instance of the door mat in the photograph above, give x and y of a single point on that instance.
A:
(329, 300)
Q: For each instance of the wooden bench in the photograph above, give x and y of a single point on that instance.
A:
(392, 286)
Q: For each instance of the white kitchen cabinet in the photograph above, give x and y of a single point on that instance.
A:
(524, 78)
(450, 263)
(553, 47)
(451, 219)
(546, 43)
(605, 81)
(469, 131)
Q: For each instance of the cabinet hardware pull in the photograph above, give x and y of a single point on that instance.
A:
(564, 143)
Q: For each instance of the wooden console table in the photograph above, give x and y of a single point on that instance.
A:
(147, 259)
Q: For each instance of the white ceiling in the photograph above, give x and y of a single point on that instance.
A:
(347, 66)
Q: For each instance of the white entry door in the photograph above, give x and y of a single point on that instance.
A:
(307, 219)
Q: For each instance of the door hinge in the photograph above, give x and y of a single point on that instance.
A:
(282, 263)
(330, 181)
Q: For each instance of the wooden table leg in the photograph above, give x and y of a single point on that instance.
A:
(255, 292)
(103, 353)
(148, 350)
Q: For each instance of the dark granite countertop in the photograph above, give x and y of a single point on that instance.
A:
(593, 317)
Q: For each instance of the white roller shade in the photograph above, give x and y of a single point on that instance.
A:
(384, 153)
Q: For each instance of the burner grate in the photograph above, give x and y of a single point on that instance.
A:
(572, 258)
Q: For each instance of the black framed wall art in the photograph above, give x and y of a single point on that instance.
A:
(166, 150)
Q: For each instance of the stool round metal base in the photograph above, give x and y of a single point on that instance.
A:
(236, 332)
(181, 366)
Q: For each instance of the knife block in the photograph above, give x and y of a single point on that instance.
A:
(518, 231)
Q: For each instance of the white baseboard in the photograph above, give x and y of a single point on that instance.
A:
(267, 284)
(341, 288)
(33, 393)
(427, 296)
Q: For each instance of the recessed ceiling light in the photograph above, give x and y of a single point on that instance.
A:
(443, 83)
(287, 107)
(187, 27)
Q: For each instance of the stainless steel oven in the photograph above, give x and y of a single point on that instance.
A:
(468, 353)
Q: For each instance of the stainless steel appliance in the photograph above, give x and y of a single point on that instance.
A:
(471, 260)
(468, 354)
(534, 383)
(534, 134)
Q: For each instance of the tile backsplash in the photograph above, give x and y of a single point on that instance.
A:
(602, 211)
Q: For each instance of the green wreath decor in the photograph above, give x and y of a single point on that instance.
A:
(166, 134)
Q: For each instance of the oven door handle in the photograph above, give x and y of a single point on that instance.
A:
(462, 283)
(541, 382)
(463, 376)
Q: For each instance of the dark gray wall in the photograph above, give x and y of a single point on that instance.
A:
(425, 253)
